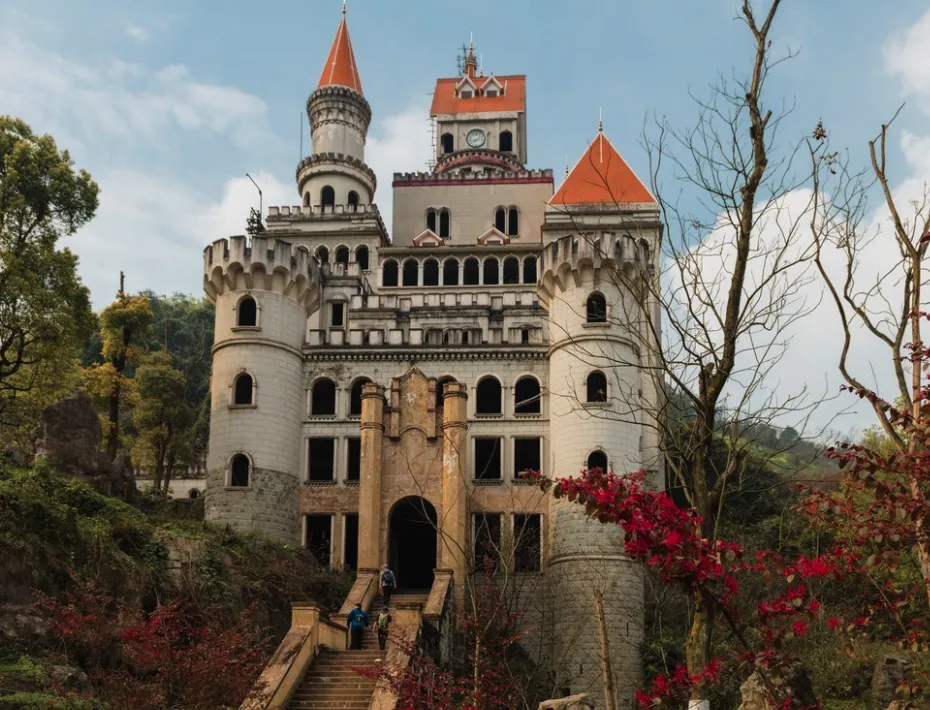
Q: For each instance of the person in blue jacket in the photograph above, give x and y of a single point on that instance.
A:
(358, 622)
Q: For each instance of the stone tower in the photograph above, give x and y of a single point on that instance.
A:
(336, 173)
(600, 222)
(263, 293)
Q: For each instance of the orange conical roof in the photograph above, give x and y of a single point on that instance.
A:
(601, 177)
(340, 68)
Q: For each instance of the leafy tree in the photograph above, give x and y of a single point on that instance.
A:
(162, 417)
(45, 313)
(124, 325)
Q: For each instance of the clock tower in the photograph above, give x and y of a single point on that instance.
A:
(480, 120)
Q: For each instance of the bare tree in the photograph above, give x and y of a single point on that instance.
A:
(877, 304)
(710, 310)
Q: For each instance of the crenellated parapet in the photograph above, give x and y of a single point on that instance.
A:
(563, 259)
(335, 162)
(236, 264)
(338, 104)
(491, 175)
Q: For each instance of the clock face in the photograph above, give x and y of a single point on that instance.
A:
(475, 138)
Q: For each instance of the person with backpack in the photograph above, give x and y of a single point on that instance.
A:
(384, 624)
(388, 584)
(358, 621)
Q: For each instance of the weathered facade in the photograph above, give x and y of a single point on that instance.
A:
(379, 399)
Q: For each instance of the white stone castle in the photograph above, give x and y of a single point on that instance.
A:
(379, 398)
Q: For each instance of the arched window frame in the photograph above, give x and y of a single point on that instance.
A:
(538, 402)
(465, 264)
(431, 221)
(312, 391)
(594, 313)
(511, 264)
(447, 143)
(445, 224)
(328, 196)
(363, 257)
(491, 266)
(353, 200)
(500, 220)
(357, 384)
(342, 250)
(505, 142)
(322, 254)
(447, 264)
(387, 267)
(594, 452)
(431, 271)
(233, 404)
(591, 392)
(410, 266)
(500, 404)
(513, 221)
(307, 198)
(441, 383)
(249, 473)
(258, 313)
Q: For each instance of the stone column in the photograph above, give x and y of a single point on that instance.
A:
(454, 518)
(369, 499)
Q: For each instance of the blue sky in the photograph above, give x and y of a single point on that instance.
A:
(169, 104)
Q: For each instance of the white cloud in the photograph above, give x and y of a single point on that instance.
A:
(398, 143)
(140, 34)
(907, 56)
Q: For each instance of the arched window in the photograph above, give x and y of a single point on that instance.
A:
(242, 389)
(506, 142)
(193, 494)
(389, 273)
(445, 218)
(500, 220)
(596, 386)
(441, 389)
(327, 196)
(307, 199)
(526, 396)
(596, 308)
(342, 255)
(247, 313)
(465, 337)
(323, 255)
(430, 272)
(511, 270)
(447, 337)
(450, 272)
(491, 271)
(411, 272)
(529, 270)
(361, 256)
(597, 459)
(353, 200)
(488, 399)
(513, 222)
(239, 470)
(470, 272)
(355, 397)
(431, 220)
(323, 398)
(448, 143)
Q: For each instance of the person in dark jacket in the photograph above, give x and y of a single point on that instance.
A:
(358, 622)
(384, 625)
(388, 584)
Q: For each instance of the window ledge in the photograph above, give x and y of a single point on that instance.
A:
(527, 415)
(242, 406)
(320, 484)
(355, 416)
(524, 482)
(487, 481)
(246, 328)
(237, 488)
(595, 325)
(352, 484)
(596, 405)
(489, 415)
(317, 417)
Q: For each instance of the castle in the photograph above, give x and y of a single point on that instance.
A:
(378, 399)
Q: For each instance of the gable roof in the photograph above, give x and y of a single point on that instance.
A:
(513, 97)
(340, 68)
(601, 177)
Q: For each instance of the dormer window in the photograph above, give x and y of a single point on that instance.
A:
(491, 93)
(467, 94)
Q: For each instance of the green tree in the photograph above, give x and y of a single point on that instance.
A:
(124, 326)
(162, 418)
(45, 313)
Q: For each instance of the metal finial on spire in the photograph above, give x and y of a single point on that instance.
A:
(600, 120)
(343, 7)
(566, 165)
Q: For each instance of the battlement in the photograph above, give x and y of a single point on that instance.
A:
(305, 168)
(603, 250)
(488, 176)
(333, 93)
(263, 264)
(307, 212)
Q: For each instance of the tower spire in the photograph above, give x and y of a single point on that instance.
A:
(340, 68)
(471, 64)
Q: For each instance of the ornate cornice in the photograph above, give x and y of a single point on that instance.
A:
(408, 354)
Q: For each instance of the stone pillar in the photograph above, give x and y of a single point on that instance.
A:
(369, 499)
(453, 521)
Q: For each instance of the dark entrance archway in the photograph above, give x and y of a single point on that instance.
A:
(412, 542)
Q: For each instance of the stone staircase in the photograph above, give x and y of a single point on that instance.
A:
(332, 682)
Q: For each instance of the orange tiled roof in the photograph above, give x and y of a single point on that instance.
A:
(340, 68)
(601, 177)
(513, 99)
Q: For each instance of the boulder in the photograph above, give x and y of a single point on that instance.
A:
(890, 671)
(69, 438)
(753, 694)
(573, 702)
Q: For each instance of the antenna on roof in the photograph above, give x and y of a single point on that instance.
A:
(253, 225)
(460, 60)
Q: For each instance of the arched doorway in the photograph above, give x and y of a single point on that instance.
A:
(412, 542)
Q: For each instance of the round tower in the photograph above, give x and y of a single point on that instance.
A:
(263, 294)
(594, 385)
(336, 173)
